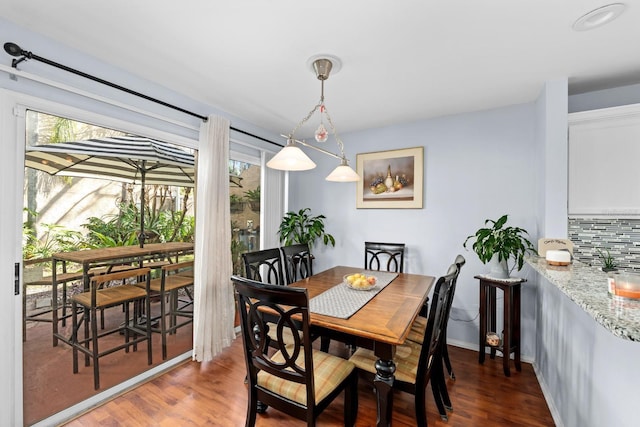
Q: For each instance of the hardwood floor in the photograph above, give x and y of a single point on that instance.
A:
(214, 394)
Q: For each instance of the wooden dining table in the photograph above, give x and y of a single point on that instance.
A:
(108, 258)
(380, 325)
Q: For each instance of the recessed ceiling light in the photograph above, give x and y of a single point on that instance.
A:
(599, 16)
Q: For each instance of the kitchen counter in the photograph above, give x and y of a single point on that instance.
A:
(587, 287)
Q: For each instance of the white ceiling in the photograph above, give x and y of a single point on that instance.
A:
(402, 61)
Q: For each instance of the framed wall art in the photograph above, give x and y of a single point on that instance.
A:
(390, 179)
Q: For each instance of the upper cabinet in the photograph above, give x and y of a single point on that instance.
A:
(604, 162)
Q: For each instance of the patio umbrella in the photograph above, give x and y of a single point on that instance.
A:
(130, 159)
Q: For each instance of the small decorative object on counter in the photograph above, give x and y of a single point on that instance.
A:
(624, 286)
(558, 257)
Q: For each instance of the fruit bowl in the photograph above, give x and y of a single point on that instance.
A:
(359, 281)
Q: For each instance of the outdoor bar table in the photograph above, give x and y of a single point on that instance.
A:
(380, 324)
(107, 257)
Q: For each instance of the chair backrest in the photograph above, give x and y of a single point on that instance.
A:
(436, 323)
(283, 304)
(459, 262)
(264, 266)
(384, 256)
(297, 262)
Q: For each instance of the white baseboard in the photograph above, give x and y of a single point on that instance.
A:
(548, 397)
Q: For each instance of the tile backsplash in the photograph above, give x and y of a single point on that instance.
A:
(621, 237)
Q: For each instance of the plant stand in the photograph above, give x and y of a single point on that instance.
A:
(510, 342)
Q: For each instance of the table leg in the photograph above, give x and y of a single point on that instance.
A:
(483, 323)
(54, 301)
(492, 316)
(508, 325)
(516, 327)
(383, 383)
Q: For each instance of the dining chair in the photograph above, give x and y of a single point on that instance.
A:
(100, 296)
(384, 256)
(419, 364)
(417, 328)
(297, 262)
(264, 266)
(295, 379)
(174, 278)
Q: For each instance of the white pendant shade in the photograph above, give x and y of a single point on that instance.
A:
(291, 158)
(343, 173)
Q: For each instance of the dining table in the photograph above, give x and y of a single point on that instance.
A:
(105, 259)
(379, 320)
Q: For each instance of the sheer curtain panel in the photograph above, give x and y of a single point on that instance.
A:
(214, 305)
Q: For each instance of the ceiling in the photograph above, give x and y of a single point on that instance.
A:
(402, 61)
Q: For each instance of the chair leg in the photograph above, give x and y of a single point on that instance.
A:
(163, 325)
(420, 407)
(351, 401)
(447, 362)
(324, 344)
(94, 339)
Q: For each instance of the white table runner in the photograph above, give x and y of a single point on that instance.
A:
(341, 301)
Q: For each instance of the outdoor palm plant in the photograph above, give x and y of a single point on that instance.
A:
(301, 227)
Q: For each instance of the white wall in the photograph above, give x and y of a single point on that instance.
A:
(477, 166)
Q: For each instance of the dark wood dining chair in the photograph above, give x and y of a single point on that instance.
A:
(177, 312)
(417, 328)
(419, 364)
(124, 293)
(384, 256)
(297, 262)
(264, 266)
(296, 379)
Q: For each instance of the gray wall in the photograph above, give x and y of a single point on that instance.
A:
(477, 166)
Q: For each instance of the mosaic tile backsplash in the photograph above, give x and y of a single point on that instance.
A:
(621, 237)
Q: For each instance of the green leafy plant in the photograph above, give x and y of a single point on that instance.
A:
(608, 263)
(508, 243)
(301, 227)
(253, 195)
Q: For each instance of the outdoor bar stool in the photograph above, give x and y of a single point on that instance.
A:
(174, 278)
(99, 297)
(38, 279)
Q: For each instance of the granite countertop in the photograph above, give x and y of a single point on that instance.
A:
(587, 287)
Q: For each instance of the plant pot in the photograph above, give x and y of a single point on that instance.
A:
(498, 269)
(255, 205)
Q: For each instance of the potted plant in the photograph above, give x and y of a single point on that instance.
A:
(236, 203)
(608, 263)
(501, 245)
(301, 227)
(253, 196)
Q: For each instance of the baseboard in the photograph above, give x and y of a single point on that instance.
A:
(548, 397)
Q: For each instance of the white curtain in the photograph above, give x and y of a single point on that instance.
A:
(273, 203)
(214, 306)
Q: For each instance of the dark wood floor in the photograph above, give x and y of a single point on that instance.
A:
(214, 394)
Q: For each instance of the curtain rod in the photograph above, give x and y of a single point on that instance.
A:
(15, 50)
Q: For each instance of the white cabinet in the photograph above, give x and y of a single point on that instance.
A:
(604, 162)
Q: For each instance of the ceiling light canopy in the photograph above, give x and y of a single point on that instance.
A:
(291, 157)
(599, 16)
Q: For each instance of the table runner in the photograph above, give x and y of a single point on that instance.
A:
(342, 302)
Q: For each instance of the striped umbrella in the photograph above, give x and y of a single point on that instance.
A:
(129, 159)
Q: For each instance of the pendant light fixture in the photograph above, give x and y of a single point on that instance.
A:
(292, 158)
